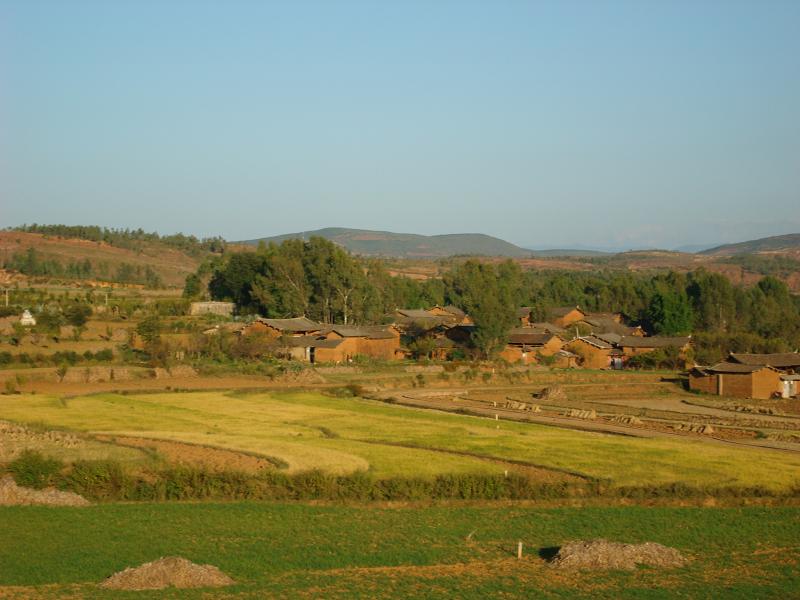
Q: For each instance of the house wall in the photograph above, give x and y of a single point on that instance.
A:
(571, 317)
(703, 383)
(552, 346)
(593, 358)
(382, 349)
(211, 308)
(765, 383)
(514, 354)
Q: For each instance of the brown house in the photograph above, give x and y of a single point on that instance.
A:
(734, 379)
(373, 341)
(565, 316)
(524, 346)
(633, 345)
(453, 314)
(599, 323)
(524, 316)
(299, 326)
(594, 353)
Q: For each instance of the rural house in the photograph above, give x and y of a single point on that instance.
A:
(523, 346)
(565, 316)
(296, 327)
(634, 345)
(735, 379)
(594, 353)
(378, 342)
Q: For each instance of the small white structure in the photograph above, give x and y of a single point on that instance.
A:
(27, 320)
(791, 386)
(223, 309)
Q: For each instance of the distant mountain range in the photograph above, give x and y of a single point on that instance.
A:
(388, 244)
(407, 245)
(790, 242)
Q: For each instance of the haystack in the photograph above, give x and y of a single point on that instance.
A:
(552, 393)
(169, 571)
(602, 554)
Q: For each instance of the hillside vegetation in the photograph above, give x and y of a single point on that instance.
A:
(406, 245)
(149, 262)
(790, 242)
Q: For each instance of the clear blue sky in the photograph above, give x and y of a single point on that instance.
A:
(625, 124)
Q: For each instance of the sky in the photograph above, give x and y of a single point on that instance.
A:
(549, 124)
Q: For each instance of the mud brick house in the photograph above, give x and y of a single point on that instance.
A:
(452, 314)
(736, 379)
(299, 326)
(599, 323)
(524, 346)
(634, 345)
(541, 327)
(378, 342)
(594, 352)
(524, 316)
(222, 309)
(565, 316)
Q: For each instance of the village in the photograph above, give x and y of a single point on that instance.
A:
(571, 338)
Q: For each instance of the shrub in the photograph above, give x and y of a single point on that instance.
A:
(32, 469)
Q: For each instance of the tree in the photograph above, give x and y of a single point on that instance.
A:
(193, 286)
(669, 313)
(487, 295)
(77, 314)
(149, 329)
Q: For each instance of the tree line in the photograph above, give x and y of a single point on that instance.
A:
(131, 239)
(322, 281)
(33, 263)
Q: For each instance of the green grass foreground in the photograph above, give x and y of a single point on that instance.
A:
(303, 551)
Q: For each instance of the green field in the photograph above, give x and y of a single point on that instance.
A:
(343, 435)
(300, 551)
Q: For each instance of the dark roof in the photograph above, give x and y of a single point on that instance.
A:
(298, 324)
(779, 360)
(611, 338)
(373, 332)
(560, 311)
(545, 327)
(455, 311)
(525, 311)
(416, 313)
(730, 367)
(521, 336)
(595, 341)
(607, 325)
(635, 341)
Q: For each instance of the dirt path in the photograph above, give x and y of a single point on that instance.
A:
(480, 409)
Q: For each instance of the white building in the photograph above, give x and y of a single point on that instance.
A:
(27, 320)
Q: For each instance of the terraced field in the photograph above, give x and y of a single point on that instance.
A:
(302, 430)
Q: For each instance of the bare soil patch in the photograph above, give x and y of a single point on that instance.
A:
(215, 459)
(13, 495)
(170, 571)
(602, 554)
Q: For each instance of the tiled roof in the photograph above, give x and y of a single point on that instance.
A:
(635, 341)
(780, 360)
(298, 324)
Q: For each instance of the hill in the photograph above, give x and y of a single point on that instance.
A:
(776, 243)
(406, 245)
(147, 263)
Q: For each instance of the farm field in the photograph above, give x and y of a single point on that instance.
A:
(301, 551)
(308, 430)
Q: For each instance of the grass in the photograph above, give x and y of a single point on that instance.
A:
(343, 435)
(301, 551)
